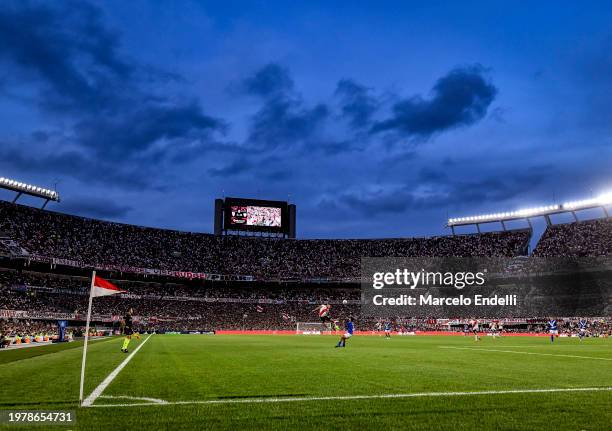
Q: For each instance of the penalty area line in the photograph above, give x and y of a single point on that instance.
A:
(355, 397)
(88, 402)
(478, 349)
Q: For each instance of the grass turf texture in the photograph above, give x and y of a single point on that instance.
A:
(198, 367)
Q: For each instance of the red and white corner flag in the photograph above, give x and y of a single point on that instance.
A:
(101, 287)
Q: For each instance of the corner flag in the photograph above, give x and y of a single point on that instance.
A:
(99, 287)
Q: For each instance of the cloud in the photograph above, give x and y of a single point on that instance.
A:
(284, 120)
(234, 168)
(436, 190)
(460, 98)
(269, 81)
(67, 50)
(78, 166)
(378, 201)
(356, 104)
(146, 128)
(112, 114)
(94, 207)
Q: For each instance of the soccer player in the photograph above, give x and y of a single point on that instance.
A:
(494, 332)
(387, 330)
(553, 330)
(323, 311)
(348, 334)
(582, 327)
(475, 328)
(127, 330)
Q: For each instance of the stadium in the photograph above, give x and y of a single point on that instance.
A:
(273, 215)
(217, 306)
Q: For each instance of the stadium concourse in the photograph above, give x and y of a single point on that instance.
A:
(181, 281)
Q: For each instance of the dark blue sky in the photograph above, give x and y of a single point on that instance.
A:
(376, 119)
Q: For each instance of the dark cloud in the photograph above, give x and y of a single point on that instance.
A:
(98, 207)
(378, 202)
(141, 129)
(283, 122)
(114, 115)
(76, 165)
(460, 98)
(269, 81)
(356, 103)
(236, 167)
(67, 50)
(445, 192)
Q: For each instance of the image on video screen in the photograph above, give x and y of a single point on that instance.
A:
(256, 216)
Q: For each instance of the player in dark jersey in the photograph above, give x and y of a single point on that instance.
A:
(582, 328)
(553, 329)
(350, 327)
(388, 329)
(128, 330)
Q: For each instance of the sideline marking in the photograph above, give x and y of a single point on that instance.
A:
(478, 349)
(127, 397)
(358, 397)
(107, 381)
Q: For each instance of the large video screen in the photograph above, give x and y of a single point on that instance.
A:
(256, 215)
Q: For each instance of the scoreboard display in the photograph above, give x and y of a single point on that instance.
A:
(256, 215)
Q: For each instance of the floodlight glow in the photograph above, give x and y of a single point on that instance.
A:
(603, 199)
(29, 189)
(599, 201)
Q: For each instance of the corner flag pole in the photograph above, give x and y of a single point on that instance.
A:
(93, 278)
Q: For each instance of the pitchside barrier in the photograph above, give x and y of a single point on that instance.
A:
(312, 328)
(378, 333)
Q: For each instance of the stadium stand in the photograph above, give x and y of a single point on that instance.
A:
(97, 242)
(287, 278)
(580, 239)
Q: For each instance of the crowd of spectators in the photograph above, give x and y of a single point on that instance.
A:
(182, 305)
(588, 238)
(97, 242)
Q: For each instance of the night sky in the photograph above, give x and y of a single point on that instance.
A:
(377, 119)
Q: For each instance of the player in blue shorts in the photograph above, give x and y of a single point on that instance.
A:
(582, 327)
(552, 329)
(348, 334)
(388, 330)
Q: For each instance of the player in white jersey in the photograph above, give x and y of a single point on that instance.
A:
(494, 331)
(475, 329)
(324, 315)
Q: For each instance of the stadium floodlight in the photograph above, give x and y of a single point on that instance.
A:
(602, 200)
(29, 189)
(511, 215)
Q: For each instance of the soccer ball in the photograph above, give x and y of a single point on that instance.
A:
(345, 302)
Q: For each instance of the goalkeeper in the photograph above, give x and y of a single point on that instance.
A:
(128, 331)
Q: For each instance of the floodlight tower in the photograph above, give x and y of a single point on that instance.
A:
(29, 189)
(601, 201)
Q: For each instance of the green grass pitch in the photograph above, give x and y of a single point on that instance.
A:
(253, 381)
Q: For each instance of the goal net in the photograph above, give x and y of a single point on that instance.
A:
(311, 328)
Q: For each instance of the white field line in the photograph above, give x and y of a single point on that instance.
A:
(127, 397)
(107, 381)
(357, 397)
(44, 343)
(478, 349)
